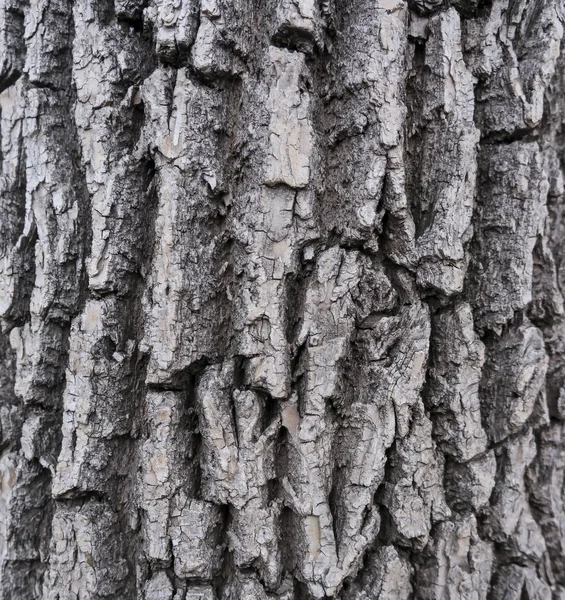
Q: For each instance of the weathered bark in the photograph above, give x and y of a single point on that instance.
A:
(281, 299)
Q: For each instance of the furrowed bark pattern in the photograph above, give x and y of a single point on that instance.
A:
(280, 291)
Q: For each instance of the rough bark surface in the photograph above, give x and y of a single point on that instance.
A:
(281, 299)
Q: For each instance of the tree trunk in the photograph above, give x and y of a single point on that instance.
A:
(280, 288)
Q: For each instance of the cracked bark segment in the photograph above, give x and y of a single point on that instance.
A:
(263, 304)
(12, 103)
(509, 520)
(41, 190)
(546, 480)
(200, 592)
(398, 345)
(363, 461)
(513, 379)
(53, 207)
(185, 288)
(325, 332)
(514, 50)
(244, 587)
(222, 40)
(24, 522)
(10, 411)
(254, 537)
(514, 582)
(385, 390)
(299, 24)
(237, 457)
(387, 576)
(101, 76)
(166, 468)
(85, 540)
(46, 35)
(195, 526)
(365, 116)
(159, 587)
(546, 309)
(175, 23)
(221, 477)
(361, 467)
(97, 413)
(470, 484)
(456, 361)
(129, 10)
(511, 196)
(413, 493)
(254, 534)
(426, 7)
(12, 44)
(39, 439)
(271, 223)
(555, 345)
(272, 236)
(547, 300)
(16, 232)
(38, 372)
(119, 220)
(460, 562)
(276, 223)
(399, 244)
(237, 463)
(115, 180)
(290, 129)
(443, 124)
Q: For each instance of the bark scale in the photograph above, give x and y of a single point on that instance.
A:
(280, 290)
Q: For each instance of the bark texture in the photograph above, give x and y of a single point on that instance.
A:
(281, 299)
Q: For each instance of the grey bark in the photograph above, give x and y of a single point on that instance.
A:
(281, 299)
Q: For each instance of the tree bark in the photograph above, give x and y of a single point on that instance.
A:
(281, 299)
